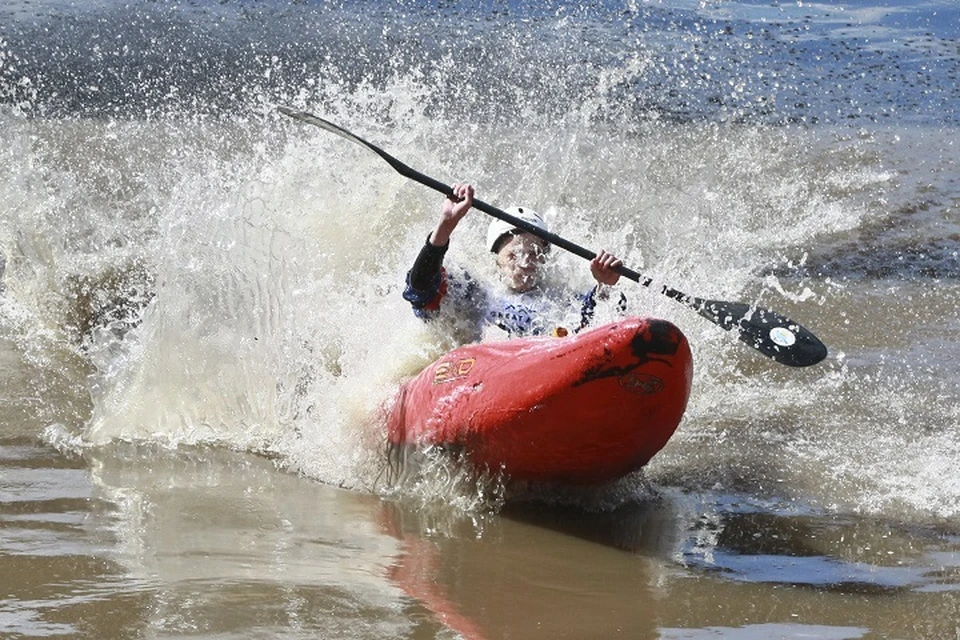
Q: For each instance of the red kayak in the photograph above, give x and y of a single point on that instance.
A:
(583, 410)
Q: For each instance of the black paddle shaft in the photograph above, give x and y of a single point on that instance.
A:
(770, 333)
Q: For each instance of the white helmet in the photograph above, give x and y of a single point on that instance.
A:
(498, 228)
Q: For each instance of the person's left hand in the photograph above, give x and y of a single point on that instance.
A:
(603, 267)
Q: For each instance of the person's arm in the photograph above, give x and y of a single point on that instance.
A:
(452, 212)
(425, 280)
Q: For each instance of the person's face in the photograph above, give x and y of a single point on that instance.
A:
(520, 259)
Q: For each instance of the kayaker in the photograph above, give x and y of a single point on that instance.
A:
(521, 307)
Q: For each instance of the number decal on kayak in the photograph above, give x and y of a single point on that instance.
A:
(641, 383)
(449, 370)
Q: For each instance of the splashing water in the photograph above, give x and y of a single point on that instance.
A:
(186, 267)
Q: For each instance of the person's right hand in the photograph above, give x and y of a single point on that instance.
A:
(457, 205)
(454, 208)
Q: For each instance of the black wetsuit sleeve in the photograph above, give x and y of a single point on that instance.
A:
(425, 273)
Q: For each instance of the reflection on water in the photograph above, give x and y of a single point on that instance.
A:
(136, 541)
(832, 552)
(767, 631)
(57, 559)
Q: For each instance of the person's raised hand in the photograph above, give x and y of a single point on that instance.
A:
(455, 206)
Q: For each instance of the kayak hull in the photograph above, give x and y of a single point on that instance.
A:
(581, 410)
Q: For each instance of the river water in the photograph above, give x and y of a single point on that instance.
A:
(200, 315)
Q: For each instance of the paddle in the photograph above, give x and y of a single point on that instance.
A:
(770, 333)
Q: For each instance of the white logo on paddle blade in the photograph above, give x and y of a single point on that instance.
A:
(783, 336)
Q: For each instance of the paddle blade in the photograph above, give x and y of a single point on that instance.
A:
(309, 118)
(770, 333)
(400, 167)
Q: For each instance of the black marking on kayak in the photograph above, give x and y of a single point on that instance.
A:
(657, 338)
(661, 338)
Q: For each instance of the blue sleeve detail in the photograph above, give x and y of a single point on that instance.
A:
(419, 299)
(589, 305)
